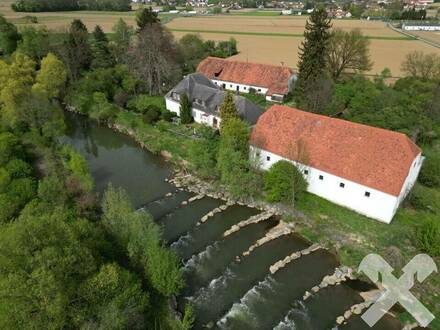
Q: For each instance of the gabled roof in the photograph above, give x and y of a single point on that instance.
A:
(370, 156)
(275, 78)
(197, 86)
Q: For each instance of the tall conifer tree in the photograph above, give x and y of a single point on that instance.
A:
(313, 52)
(228, 109)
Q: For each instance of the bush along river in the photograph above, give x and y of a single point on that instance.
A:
(244, 268)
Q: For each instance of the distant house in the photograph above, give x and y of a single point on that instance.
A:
(422, 26)
(367, 169)
(273, 81)
(206, 99)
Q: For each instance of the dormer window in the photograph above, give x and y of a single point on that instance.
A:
(175, 96)
(199, 102)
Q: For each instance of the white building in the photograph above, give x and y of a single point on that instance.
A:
(421, 27)
(206, 98)
(273, 81)
(367, 169)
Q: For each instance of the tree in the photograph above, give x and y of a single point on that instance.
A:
(9, 36)
(283, 182)
(76, 52)
(202, 152)
(233, 164)
(185, 110)
(228, 110)
(35, 42)
(347, 52)
(102, 57)
(140, 237)
(422, 66)
(121, 40)
(430, 172)
(313, 53)
(115, 299)
(51, 78)
(43, 262)
(146, 17)
(153, 59)
(428, 236)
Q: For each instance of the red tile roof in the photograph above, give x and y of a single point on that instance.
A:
(273, 77)
(370, 156)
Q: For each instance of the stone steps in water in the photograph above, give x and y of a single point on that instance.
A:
(214, 259)
(266, 304)
(214, 300)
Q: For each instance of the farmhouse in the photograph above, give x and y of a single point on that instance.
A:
(273, 81)
(367, 169)
(206, 99)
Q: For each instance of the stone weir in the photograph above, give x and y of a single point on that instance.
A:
(295, 255)
(200, 187)
(254, 219)
(341, 274)
(210, 214)
(279, 230)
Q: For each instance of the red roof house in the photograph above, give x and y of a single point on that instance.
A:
(370, 157)
(272, 79)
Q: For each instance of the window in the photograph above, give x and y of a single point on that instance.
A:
(259, 89)
(244, 88)
(268, 158)
(367, 194)
(321, 177)
(306, 172)
(342, 184)
(230, 85)
(258, 154)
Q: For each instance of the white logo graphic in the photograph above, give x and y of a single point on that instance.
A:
(397, 289)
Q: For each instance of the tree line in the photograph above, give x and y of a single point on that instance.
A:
(68, 260)
(70, 5)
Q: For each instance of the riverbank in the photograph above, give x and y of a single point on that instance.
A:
(350, 235)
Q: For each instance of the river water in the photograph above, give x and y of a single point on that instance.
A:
(227, 289)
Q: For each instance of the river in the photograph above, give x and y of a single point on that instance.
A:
(227, 289)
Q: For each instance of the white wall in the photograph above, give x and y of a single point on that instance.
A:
(242, 88)
(199, 116)
(379, 205)
(411, 179)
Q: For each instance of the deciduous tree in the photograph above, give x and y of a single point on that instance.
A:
(51, 78)
(347, 53)
(9, 36)
(153, 59)
(122, 34)
(422, 66)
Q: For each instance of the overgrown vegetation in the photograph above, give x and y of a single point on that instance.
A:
(65, 261)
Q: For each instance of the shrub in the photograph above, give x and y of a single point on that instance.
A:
(428, 237)
(18, 168)
(430, 173)
(152, 115)
(142, 103)
(168, 115)
(283, 182)
(423, 198)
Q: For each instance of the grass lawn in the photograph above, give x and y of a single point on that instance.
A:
(258, 99)
(354, 236)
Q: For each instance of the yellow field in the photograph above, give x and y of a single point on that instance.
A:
(431, 36)
(284, 50)
(275, 24)
(259, 37)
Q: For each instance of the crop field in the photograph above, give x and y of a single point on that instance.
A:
(264, 37)
(433, 36)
